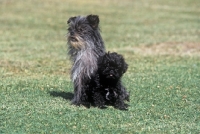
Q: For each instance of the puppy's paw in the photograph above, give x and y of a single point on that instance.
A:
(102, 107)
(121, 106)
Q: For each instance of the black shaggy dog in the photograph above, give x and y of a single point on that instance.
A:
(85, 46)
(106, 87)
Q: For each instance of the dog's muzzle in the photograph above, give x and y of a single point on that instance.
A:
(73, 39)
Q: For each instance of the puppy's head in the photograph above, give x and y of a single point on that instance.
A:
(82, 30)
(112, 66)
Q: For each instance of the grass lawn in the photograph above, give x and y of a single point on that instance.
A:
(160, 40)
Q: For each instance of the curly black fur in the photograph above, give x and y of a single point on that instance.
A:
(106, 87)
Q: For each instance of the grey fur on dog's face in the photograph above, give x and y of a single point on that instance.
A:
(85, 45)
(82, 31)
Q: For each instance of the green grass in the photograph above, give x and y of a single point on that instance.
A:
(159, 39)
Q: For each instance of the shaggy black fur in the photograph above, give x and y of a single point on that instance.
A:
(85, 46)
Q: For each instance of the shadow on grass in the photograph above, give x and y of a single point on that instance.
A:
(69, 96)
(64, 95)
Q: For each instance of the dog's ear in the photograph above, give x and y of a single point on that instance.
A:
(124, 64)
(125, 67)
(71, 19)
(93, 20)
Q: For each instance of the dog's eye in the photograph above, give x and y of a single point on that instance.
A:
(79, 29)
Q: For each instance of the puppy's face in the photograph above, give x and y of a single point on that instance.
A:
(81, 30)
(112, 66)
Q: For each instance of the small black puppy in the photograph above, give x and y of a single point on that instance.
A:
(106, 87)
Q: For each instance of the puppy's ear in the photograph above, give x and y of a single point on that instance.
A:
(124, 64)
(93, 20)
(125, 67)
(71, 19)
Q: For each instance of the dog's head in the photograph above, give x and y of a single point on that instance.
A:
(82, 30)
(112, 66)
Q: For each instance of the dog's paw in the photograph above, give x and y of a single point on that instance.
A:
(102, 107)
(76, 103)
(123, 108)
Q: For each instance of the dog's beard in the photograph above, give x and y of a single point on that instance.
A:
(85, 61)
(84, 64)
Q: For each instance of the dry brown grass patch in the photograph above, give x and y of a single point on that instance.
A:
(175, 49)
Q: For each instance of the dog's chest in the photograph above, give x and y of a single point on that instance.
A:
(85, 64)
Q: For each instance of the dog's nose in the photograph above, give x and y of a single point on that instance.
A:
(112, 72)
(72, 33)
